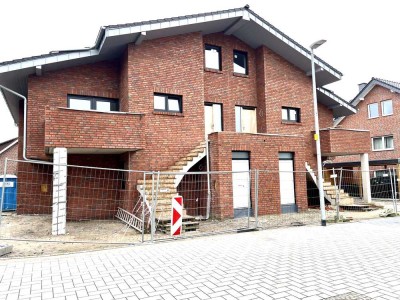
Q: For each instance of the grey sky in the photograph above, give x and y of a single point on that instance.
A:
(362, 35)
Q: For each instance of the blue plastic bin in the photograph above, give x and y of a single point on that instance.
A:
(10, 192)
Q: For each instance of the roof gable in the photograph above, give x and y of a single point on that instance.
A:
(111, 41)
(390, 85)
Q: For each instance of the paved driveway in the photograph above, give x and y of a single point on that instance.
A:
(345, 261)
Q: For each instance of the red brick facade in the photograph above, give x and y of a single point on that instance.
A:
(380, 126)
(172, 65)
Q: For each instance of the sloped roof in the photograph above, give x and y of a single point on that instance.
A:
(111, 41)
(339, 106)
(4, 146)
(391, 85)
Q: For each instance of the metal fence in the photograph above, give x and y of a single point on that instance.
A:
(107, 207)
(351, 200)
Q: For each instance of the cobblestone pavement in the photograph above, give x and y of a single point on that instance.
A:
(346, 261)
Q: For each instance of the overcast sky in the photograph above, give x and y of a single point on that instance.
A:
(363, 40)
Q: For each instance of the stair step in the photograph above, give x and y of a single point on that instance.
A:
(161, 181)
(162, 188)
(175, 168)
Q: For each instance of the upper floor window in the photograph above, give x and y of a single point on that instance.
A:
(212, 57)
(92, 103)
(168, 103)
(291, 114)
(387, 107)
(382, 143)
(373, 110)
(240, 64)
(245, 119)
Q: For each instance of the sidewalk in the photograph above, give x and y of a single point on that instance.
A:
(345, 261)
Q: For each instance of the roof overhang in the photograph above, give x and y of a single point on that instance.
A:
(112, 40)
(339, 106)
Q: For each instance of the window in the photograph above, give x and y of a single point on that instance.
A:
(92, 103)
(240, 62)
(373, 110)
(168, 103)
(387, 108)
(382, 143)
(213, 57)
(246, 119)
(291, 114)
(212, 117)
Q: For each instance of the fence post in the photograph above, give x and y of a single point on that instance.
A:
(338, 200)
(249, 204)
(256, 198)
(153, 208)
(395, 179)
(143, 203)
(3, 189)
(392, 183)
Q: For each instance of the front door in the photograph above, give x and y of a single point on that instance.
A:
(286, 182)
(241, 183)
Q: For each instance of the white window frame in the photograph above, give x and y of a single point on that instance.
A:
(369, 111)
(383, 111)
(383, 143)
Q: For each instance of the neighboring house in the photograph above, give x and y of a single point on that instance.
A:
(9, 149)
(147, 94)
(378, 103)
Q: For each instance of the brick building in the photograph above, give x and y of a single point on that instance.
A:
(228, 77)
(9, 149)
(378, 106)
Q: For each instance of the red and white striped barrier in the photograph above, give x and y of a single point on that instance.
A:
(176, 215)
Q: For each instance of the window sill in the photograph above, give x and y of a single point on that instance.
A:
(240, 75)
(370, 118)
(168, 113)
(387, 115)
(292, 123)
(213, 71)
(101, 112)
(391, 149)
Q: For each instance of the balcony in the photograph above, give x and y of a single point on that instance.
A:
(341, 141)
(93, 132)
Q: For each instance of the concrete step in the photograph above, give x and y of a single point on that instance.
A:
(161, 187)
(161, 182)
(175, 168)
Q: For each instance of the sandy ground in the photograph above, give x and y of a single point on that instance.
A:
(30, 235)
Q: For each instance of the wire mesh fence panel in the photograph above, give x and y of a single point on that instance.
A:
(352, 199)
(213, 202)
(101, 207)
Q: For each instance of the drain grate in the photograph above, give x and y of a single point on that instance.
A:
(349, 296)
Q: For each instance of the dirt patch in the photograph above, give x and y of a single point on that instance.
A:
(31, 235)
